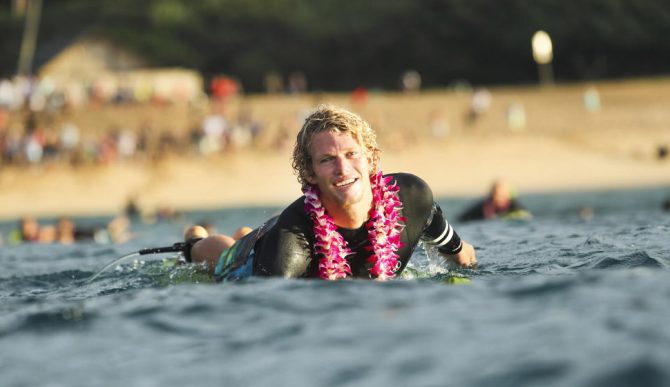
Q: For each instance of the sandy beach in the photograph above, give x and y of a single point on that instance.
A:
(561, 147)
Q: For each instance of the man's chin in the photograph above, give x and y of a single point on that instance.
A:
(350, 198)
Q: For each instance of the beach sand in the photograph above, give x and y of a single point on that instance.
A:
(561, 147)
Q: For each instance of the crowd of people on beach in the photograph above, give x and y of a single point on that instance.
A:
(47, 95)
(35, 128)
(33, 143)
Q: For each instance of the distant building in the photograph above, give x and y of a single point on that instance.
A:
(96, 68)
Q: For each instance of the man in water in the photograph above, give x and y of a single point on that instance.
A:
(351, 222)
(28, 231)
(500, 203)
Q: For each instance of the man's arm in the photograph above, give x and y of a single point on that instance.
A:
(440, 233)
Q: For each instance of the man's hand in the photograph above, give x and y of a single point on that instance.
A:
(466, 257)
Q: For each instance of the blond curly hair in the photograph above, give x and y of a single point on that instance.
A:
(329, 118)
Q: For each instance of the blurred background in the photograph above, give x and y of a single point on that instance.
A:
(338, 46)
(109, 105)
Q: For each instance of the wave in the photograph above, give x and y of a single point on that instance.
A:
(629, 261)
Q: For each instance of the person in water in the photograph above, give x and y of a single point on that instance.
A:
(499, 203)
(27, 231)
(65, 231)
(352, 221)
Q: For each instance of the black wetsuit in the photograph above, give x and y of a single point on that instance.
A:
(286, 247)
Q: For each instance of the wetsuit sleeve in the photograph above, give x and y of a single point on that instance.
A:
(285, 249)
(440, 233)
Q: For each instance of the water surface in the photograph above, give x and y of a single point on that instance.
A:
(556, 301)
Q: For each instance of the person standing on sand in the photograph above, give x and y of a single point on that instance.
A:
(352, 221)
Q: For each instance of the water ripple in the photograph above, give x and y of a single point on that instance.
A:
(643, 372)
(633, 260)
(527, 374)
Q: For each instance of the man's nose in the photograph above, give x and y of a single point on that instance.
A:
(342, 165)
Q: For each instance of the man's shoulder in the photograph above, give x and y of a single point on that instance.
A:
(415, 193)
(417, 199)
(294, 213)
(408, 181)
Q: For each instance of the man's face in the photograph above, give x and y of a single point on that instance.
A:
(501, 195)
(30, 228)
(341, 169)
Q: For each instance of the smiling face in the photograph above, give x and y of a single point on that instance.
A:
(329, 118)
(341, 170)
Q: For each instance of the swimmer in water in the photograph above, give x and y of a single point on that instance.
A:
(352, 220)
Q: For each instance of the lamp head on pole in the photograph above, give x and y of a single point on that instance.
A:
(542, 48)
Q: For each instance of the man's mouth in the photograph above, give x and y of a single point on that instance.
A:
(345, 183)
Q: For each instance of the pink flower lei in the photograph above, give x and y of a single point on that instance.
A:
(384, 229)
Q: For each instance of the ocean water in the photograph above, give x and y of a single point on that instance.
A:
(559, 300)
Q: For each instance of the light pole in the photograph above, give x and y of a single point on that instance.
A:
(543, 55)
(29, 40)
